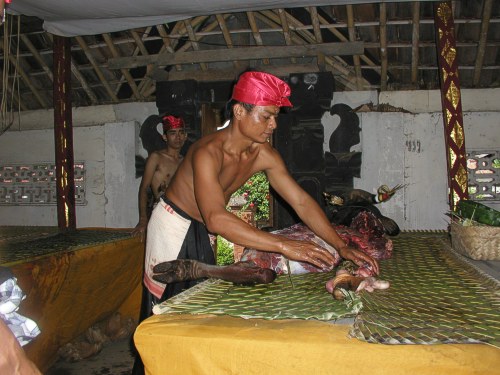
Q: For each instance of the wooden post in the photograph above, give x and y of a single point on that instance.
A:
(63, 134)
(451, 103)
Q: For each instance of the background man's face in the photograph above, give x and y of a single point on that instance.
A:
(175, 137)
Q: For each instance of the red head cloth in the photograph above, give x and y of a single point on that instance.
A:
(172, 122)
(260, 88)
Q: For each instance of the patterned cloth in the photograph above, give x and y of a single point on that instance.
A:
(11, 295)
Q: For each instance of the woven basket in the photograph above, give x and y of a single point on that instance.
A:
(479, 242)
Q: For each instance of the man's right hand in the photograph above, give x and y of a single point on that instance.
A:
(308, 251)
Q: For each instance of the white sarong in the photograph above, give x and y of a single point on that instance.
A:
(165, 235)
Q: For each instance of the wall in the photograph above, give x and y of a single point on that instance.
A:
(108, 149)
(408, 149)
(398, 148)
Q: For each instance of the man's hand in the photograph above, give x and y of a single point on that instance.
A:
(140, 229)
(309, 252)
(358, 257)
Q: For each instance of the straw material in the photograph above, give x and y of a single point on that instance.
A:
(435, 297)
(13, 233)
(297, 296)
(21, 246)
(479, 242)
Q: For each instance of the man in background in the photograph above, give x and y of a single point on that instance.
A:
(160, 167)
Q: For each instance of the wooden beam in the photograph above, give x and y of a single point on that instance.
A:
(184, 32)
(488, 5)
(138, 49)
(333, 29)
(78, 75)
(304, 36)
(167, 43)
(27, 80)
(85, 48)
(352, 38)
(319, 38)
(207, 29)
(83, 82)
(159, 74)
(415, 41)
(256, 34)
(315, 22)
(227, 36)
(142, 48)
(37, 56)
(194, 43)
(383, 47)
(247, 53)
(286, 28)
(153, 75)
(232, 74)
(126, 73)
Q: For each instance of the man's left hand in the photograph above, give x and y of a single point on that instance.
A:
(359, 258)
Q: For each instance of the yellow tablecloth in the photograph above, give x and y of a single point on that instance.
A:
(213, 345)
(67, 291)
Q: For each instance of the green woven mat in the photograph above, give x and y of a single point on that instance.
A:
(307, 298)
(15, 247)
(435, 297)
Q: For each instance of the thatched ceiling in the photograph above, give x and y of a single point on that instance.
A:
(374, 46)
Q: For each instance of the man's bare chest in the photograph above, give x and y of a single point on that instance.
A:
(233, 175)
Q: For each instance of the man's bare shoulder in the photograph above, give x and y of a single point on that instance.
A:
(153, 157)
(268, 155)
(209, 145)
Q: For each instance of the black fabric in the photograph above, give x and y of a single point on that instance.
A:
(148, 300)
(344, 215)
(196, 246)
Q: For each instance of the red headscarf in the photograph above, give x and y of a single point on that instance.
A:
(171, 122)
(261, 88)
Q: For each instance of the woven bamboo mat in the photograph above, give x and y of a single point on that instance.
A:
(18, 233)
(435, 297)
(297, 296)
(16, 246)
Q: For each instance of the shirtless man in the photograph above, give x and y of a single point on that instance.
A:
(214, 168)
(160, 167)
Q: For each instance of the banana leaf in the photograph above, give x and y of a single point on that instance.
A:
(468, 209)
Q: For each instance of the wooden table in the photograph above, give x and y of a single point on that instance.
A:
(70, 289)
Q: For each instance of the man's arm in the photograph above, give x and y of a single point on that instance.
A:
(147, 178)
(211, 202)
(13, 359)
(311, 213)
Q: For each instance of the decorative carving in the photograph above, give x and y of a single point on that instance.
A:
(35, 184)
(451, 101)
